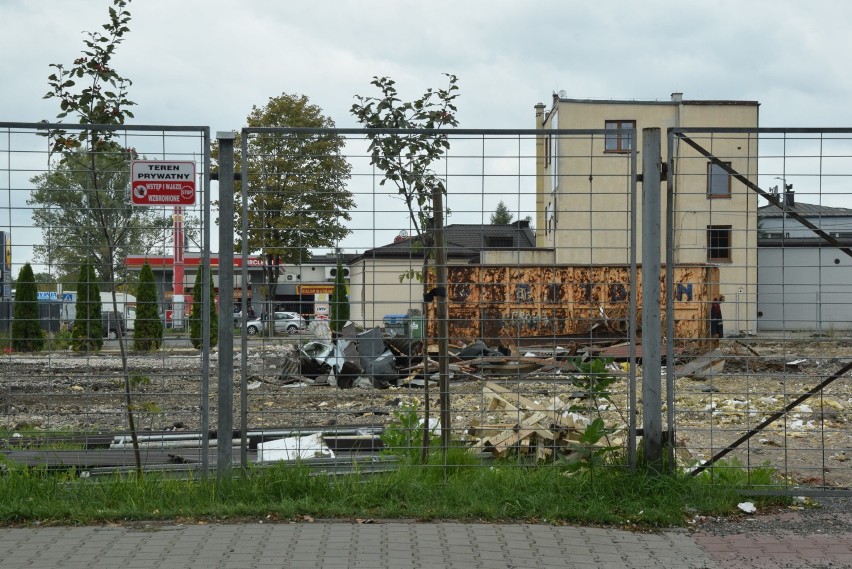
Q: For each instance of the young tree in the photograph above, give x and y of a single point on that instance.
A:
(339, 300)
(195, 317)
(26, 330)
(298, 197)
(148, 328)
(406, 160)
(87, 334)
(101, 99)
(502, 215)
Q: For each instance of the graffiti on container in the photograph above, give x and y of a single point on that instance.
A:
(460, 291)
(683, 290)
(527, 319)
(554, 292)
(617, 292)
(523, 293)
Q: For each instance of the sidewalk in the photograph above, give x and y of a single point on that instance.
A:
(396, 544)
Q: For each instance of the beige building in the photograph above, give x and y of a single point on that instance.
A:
(583, 191)
(386, 280)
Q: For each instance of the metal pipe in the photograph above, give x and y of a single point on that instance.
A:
(225, 395)
(651, 313)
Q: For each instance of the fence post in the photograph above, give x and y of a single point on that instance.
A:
(652, 415)
(225, 395)
(442, 323)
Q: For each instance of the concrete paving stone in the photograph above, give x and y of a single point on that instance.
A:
(432, 559)
(402, 564)
(568, 540)
(579, 562)
(631, 548)
(494, 553)
(548, 552)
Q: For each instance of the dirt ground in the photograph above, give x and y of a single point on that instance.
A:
(753, 379)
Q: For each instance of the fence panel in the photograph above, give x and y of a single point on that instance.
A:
(349, 335)
(774, 390)
(534, 298)
(84, 367)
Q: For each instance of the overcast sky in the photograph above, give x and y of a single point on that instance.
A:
(206, 62)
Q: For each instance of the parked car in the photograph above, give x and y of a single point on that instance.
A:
(289, 322)
(238, 315)
(113, 324)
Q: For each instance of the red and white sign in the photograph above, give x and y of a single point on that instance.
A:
(158, 182)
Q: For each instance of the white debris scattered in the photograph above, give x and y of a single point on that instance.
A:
(253, 385)
(294, 448)
(804, 408)
(747, 507)
(434, 425)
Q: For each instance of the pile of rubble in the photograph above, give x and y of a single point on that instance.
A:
(380, 358)
(533, 429)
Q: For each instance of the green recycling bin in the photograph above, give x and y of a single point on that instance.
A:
(414, 327)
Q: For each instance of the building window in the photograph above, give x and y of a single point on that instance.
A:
(718, 181)
(719, 243)
(619, 141)
(499, 242)
(547, 143)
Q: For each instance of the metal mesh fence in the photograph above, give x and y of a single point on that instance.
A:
(351, 332)
(773, 391)
(87, 357)
(531, 304)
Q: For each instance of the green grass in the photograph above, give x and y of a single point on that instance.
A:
(465, 489)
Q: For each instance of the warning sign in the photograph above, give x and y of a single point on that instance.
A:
(157, 182)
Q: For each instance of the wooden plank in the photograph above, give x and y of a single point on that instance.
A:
(515, 398)
(704, 366)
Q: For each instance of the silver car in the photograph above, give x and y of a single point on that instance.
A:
(289, 322)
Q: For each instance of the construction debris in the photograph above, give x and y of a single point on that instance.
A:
(294, 448)
(530, 429)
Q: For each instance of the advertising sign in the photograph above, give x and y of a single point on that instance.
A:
(160, 182)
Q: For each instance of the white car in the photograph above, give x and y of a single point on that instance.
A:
(289, 322)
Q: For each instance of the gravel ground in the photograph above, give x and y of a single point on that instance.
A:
(809, 516)
(67, 392)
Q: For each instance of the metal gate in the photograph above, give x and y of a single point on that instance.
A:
(84, 374)
(774, 391)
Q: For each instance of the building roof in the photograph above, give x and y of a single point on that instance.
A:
(803, 209)
(697, 102)
(465, 240)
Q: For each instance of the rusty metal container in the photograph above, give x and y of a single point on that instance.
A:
(491, 302)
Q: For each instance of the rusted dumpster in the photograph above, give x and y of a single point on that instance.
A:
(491, 302)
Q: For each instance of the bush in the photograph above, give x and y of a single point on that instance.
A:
(88, 331)
(27, 335)
(148, 328)
(195, 317)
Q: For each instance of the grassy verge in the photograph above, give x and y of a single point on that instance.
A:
(465, 490)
